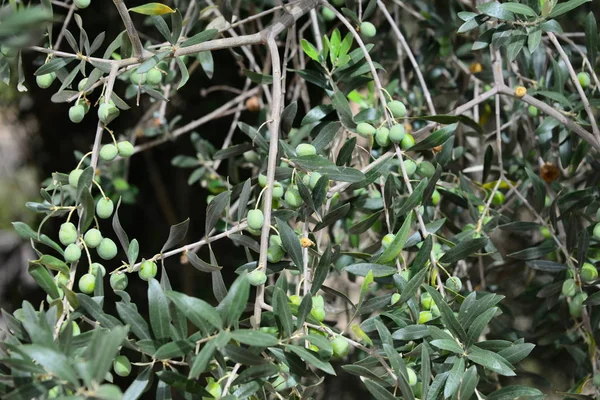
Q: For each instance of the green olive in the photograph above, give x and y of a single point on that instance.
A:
(257, 277)
(119, 281)
(454, 283)
(148, 270)
(387, 240)
(340, 346)
(45, 81)
(588, 273)
(426, 169)
(107, 250)
(397, 133)
(412, 376)
(292, 197)
(305, 149)
(125, 149)
(425, 317)
(397, 108)
(74, 177)
(275, 253)
(314, 178)
(256, 219)
(584, 79)
(435, 197)
(154, 76)
(407, 142)
(498, 198)
(318, 313)
(427, 301)
(327, 14)
(80, 4)
(533, 111)
(410, 167)
(67, 233)
(104, 208)
(137, 78)
(107, 112)
(382, 137)
(92, 238)
(72, 253)
(367, 29)
(597, 231)
(76, 113)
(395, 298)
(97, 268)
(365, 130)
(87, 283)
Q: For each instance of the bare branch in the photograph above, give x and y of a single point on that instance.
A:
(138, 50)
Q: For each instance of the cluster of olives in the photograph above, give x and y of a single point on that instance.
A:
(152, 77)
(109, 152)
(396, 134)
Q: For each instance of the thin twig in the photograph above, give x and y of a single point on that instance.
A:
(136, 43)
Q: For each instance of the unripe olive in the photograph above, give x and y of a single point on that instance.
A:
(314, 178)
(82, 3)
(498, 198)
(251, 156)
(367, 29)
(387, 240)
(125, 149)
(108, 152)
(584, 79)
(81, 84)
(154, 76)
(256, 219)
(214, 389)
(532, 111)
(425, 316)
(545, 232)
(277, 190)
(87, 283)
(395, 298)
(327, 14)
(340, 346)
(92, 238)
(435, 311)
(407, 142)
(576, 304)
(107, 250)
(49, 299)
(76, 113)
(295, 299)
(61, 279)
(426, 301)
(74, 177)
(67, 233)
(318, 313)
(119, 281)
(318, 302)
(97, 268)
(305, 149)
(275, 240)
(410, 166)
(597, 231)
(72, 253)
(257, 277)
(275, 253)
(397, 108)
(454, 283)
(148, 270)
(262, 180)
(122, 366)
(435, 197)
(365, 129)
(292, 197)
(588, 273)
(136, 78)
(397, 133)
(45, 81)
(426, 169)
(104, 208)
(107, 112)
(382, 137)
(412, 376)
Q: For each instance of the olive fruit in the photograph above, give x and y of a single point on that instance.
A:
(107, 250)
(397, 108)
(275, 240)
(318, 302)
(584, 79)
(426, 169)
(365, 129)
(367, 29)
(340, 346)
(92, 238)
(107, 112)
(44, 81)
(576, 304)
(76, 113)
(305, 149)
(292, 197)
(108, 152)
(251, 156)
(382, 137)
(454, 283)
(137, 78)
(387, 240)
(82, 3)
(49, 299)
(67, 233)
(154, 76)
(318, 313)
(74, 177)
(397, 133)
(277, 190)
(262, 180)
(545, 232)
(104, 208)
(125, 149)
(410, 167)
(327, 14)
(81, 84)
(426, 301)
(597, 231)
(435, 198)
(407, 142)
(148, 270)
(256, 219)
(72, 253)
(295, 299)
(425, 317)
(412, 376)
(588, 273)
(257, 277)
(87, 283)
(275, 253)
(122, 366)
(214, 389)
(498, 198)
(61, 279)
(395, 298)
(118, 281)
(97, 268)
(532, 111)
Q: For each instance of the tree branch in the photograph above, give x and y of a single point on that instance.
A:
(138, 50)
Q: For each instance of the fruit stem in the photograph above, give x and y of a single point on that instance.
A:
(83, 158)
(259, 196)
(100, 189)
(87, 252)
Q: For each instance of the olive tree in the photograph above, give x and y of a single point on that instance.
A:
(398, 145)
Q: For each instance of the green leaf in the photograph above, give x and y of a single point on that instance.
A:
(490, 360)
(398, 243)
(517, 352)
(102, 350)
(310, 50)
(201, 37)
(311, 358)
(378, 391)
(196, 310)
(129, 314)
(233, 305)
(137, 387)
(43, 278)
(324, 166)
(479, 325)
(282, 312)
(254, 338)
(437, 138)
(515, 392)
(53, 361)
(175, 349)
(378, 271)
(215, 210)
(450, 119)
(176, 235)
(158, 310)
(152, 9)
(469, 382)
(591, 37)
(447, 315)
(205, 59)
(565, 7)
(463, 249)
(291, 243)
(546, 266)
(411, 332)
(203, 358)
(414, 199)
(535, 252)
(317, 114)
(256, 372)
(94, 310)
(258, 78)
(495, 9)
(413, 285)
(341, 105)
(518, 8)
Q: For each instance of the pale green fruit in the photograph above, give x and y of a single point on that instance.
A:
(407, 142)
(104, 208)
(74, 177)
(148, 270)
(118, 281)
(122, 366)
(154, 76)
(97, 268)
(305, 149)
(397, 133)
(107, 250)
(340, 346)
(365, 130)
(67, 233)
(45, 81)
(87, 283)
(257, 277)
(397, 108)
(125, 149)
(72, 253)
(410, 167)
(454, 283)
(382, 137)
(367, 29)
(256, 219)
(108, 152)
(92, 238)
